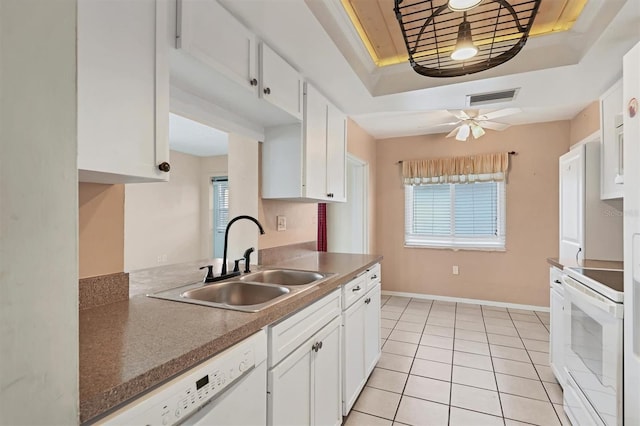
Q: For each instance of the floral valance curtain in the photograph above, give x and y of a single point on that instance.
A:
(469, 169)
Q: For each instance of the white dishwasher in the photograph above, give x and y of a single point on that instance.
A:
(228, 389)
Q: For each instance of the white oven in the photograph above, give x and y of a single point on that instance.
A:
(593, 348)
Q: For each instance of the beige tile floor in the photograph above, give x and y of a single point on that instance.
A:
(458, 364)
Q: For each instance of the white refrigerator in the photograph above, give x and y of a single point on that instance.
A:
(631, 129)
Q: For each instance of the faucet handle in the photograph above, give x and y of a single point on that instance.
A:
(209, 278)
(247, 259)
(236, 264)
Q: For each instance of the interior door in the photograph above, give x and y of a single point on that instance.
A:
(572, 178)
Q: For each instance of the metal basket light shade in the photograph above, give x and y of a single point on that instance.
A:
(432, 31)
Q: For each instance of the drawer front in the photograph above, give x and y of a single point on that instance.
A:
(354, 290)
(288, 334)
(374, 276)
(555, 275)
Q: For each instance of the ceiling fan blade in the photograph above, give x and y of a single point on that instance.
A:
(463, 133)
(499, 113)
(459, 114)
(447, 124)
(493, 125)
(472, 113)
(476, 130)
(453, 132)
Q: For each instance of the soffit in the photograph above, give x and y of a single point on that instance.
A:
(376, 24)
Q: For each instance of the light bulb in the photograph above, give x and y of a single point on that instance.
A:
(465, 49)
(463, 133)
(462, 5)
(476, 130)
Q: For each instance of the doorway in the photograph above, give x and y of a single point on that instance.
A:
(348, 223)
(220, 186)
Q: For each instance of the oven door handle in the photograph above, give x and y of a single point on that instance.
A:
(593, 298)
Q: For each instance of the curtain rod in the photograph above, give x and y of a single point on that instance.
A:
(510, 153)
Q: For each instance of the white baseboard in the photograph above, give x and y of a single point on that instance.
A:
(471, 301)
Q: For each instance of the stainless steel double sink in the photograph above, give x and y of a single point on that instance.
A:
(248, 293)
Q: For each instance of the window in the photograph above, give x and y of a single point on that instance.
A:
(459, 216)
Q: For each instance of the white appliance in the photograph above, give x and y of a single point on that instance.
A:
(593, 394)
(228, 389)
(631, 112)
(557, 341)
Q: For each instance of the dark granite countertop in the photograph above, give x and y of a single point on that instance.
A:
(129, 347)
(586, 263)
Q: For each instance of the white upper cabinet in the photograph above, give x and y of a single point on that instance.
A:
(336, 154)
(209, 33)
(123, 91)
(307, 162)
(214, 49)
(280, 83)
(612, 174)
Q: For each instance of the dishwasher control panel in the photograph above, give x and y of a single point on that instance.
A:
(176, 400)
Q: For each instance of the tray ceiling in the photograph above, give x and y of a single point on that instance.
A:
(379, 30)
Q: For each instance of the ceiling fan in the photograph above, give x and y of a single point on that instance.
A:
(472, 122)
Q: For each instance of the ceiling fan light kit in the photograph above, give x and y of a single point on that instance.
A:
(451, 38)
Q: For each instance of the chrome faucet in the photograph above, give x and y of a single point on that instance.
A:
(226, 238)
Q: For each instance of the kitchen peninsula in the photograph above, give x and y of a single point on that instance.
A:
(131, 346)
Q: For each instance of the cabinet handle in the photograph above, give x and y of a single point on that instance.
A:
(316, 346)
(356, 289)
(557, 281)
(164, 167)
(367, 300)
(373, 277)
(267, 91)
(253, 82)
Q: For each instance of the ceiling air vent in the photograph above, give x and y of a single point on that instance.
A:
(491, 97)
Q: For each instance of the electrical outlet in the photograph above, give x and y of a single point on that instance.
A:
(159, 259)
(456, 271)
(281, 223)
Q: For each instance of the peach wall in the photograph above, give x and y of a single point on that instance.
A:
(101, 229)
(585, 122)
(518, 275)
(363, 145)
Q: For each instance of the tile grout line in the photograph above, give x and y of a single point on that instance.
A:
(535, 369)
(495, 377)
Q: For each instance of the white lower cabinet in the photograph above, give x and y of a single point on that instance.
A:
(361, 338)
(304, 388)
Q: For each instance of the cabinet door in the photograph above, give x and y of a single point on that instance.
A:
(372, 329)
(123, 91)
(556, 349)
(327, 378)
(336, 154)
(281, 84)
(209, 33)
(353, 354)
(572, 177)
(289, 389)
(612, 152)
(315, 144)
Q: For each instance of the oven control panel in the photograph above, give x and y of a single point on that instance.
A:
(174, 401)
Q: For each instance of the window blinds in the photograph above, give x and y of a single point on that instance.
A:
(455, 215)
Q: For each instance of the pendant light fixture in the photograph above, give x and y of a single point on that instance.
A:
(439, 40)
(465, 49)
(463, 5)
